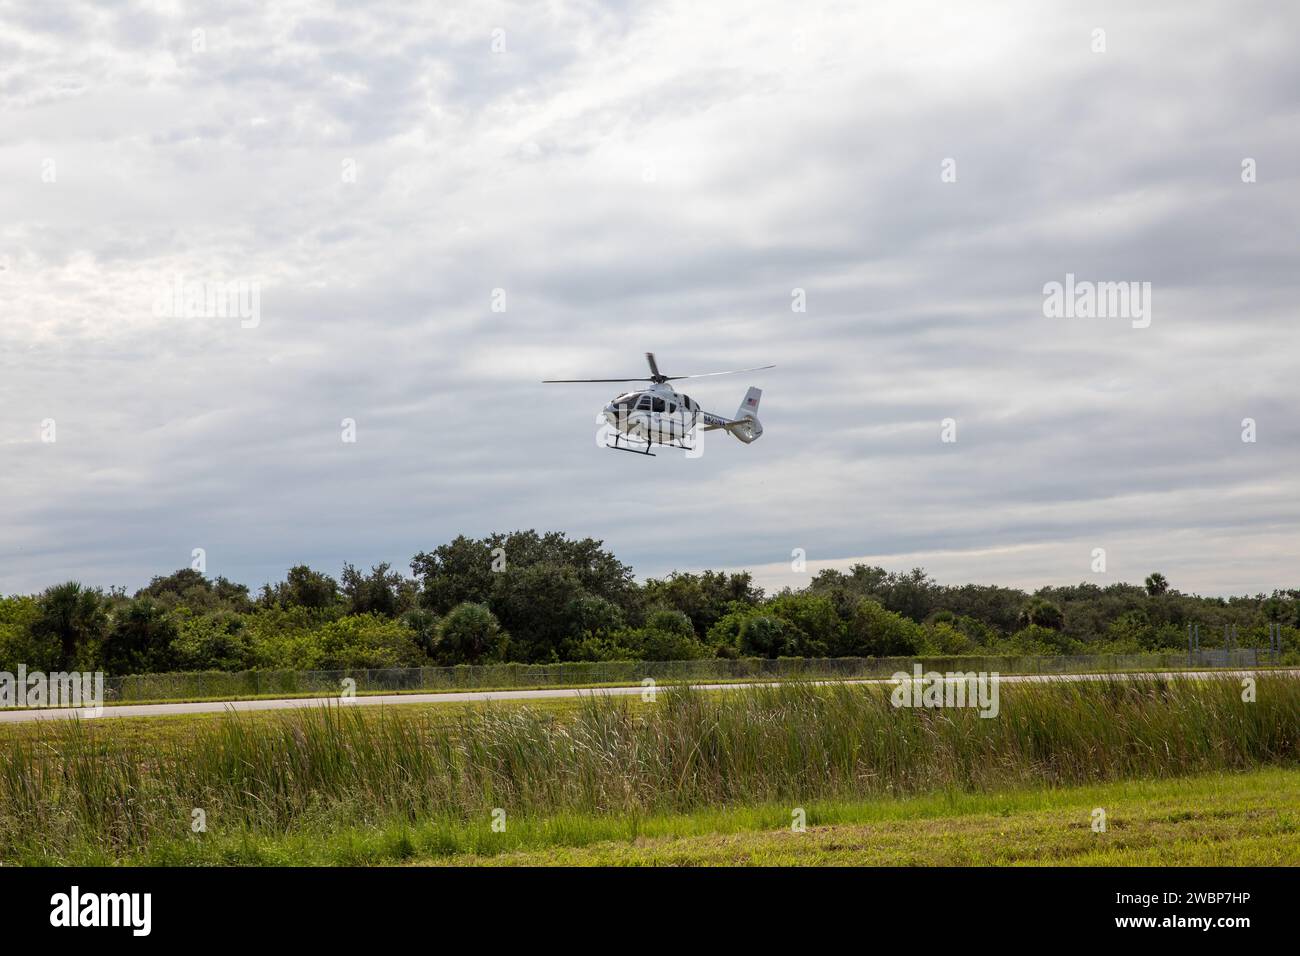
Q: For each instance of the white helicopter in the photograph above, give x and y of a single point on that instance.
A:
(660, 415)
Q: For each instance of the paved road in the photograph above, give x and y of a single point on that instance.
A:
(213, 706)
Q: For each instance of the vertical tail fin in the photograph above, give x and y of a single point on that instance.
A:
(749, 407)
(748, 428)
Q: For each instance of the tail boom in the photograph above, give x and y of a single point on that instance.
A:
(745, 426)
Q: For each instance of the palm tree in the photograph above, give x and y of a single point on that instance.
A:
(1156, 583)
(72, 614)
(1043, 613)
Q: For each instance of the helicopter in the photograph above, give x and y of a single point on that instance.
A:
(660, 415)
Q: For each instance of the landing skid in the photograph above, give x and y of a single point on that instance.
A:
(646, 450)
(636, 451)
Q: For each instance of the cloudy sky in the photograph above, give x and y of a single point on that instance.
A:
(651, 176)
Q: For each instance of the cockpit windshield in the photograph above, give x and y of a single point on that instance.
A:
(647, 401)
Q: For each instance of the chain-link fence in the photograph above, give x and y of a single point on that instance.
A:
(223, 685)
(1229, 657)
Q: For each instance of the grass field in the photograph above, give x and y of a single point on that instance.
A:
(181, 697)
(262, 685)
(1216, 820)
(1240, 819)
(693, 777)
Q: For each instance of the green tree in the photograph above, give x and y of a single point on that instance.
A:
(594, 617)
(913, 594)
(705, 598)
(454, 573)
(382, 591)
(303, 587)
(765, 635)
(285, 638)
(1036, 639)
(1042, 613)
(874, 631)
(140, 640)
(423, 625)
(470, 634)
(533, 603)
(217, 642)
(1131, 631)
(667, 636)
(816, 626)
(1156, 584)
(18, 643)
(192, 589)
(74, 616)
(724, 636)
(466, 569)
(946, 638)
(366, 640)
(997, 609)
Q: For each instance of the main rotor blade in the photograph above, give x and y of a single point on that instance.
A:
(656, 377)
(563, 381)
(734, 371)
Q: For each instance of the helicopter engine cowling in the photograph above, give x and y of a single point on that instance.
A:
(750, 430)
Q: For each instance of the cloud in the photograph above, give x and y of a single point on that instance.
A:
(655, 176)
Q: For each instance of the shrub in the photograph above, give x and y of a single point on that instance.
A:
(667, 636)
(1042, 613)
(817, 627)
(18, 643)
(946, 639)
(367, 640)
(873, 631)
(470, 634)
(213, 642)
(140, 640)
(764, 635)
(1035, 639)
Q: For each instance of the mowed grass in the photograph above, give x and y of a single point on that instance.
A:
(352, 785)
(1213, 820)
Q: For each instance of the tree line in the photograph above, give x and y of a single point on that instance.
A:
(538, 598)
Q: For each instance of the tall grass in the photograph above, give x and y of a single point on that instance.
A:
(223, 685)
(69, 788)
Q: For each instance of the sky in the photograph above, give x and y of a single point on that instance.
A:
(425, 209)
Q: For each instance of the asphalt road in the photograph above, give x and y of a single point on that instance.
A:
(379, 700)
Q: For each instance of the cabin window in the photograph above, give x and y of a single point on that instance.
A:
(659, 405)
